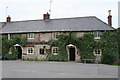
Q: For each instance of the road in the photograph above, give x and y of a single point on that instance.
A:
(46, 69)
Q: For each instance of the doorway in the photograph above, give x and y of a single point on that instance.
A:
(72, 54)
(19, 51)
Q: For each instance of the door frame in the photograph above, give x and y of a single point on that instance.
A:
(17, 45)
(68, 51)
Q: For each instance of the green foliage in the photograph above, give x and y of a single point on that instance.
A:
(110, 47)
(59, 57)
(61, 43)
(53, 42)
(118, 33)
(7, 44)
(108, 43)
(17, 39)
(12, 56)
(86, 46)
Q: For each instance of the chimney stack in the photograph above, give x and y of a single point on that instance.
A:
(8, 19)
(109, 18)
(46, 16)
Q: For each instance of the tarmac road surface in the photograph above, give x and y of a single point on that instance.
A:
(46, 69)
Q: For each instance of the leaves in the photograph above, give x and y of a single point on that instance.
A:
(7, 44)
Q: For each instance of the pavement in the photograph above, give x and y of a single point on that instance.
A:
(46, 69)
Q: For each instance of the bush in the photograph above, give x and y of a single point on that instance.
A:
(12, 56)
(58, 57)
(108, 58)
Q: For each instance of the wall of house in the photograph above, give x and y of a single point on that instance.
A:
(79, 34)
(41, 37)
(36, 54)
(45, 36)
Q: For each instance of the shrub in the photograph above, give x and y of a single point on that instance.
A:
(58, 57)
(12, 56)
(108, 58)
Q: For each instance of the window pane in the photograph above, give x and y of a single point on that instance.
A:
(41, 51)
(97, 34)
(30, 35)
(30, 50)
(55, 50)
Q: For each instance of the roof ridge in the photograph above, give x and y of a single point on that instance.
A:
(51, 19)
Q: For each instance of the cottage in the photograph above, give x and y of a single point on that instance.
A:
(39, 32)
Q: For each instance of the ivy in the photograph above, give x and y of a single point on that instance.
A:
(110, 47)
(9, 44)
(86, 44)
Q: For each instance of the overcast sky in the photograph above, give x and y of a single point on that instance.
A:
(34, 9)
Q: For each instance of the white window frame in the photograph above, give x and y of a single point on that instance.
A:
(30, 35)
(97, 50)
(55, 50)
(97, 34)
(30, 48)
(55, 35)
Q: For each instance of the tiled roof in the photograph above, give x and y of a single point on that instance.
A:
(76, 24)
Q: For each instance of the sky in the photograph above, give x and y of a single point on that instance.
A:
(34, 9)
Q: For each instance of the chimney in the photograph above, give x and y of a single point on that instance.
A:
(46, 16)
(8, 19)
(109, 18)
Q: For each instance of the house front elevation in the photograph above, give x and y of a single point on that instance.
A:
(39, 32)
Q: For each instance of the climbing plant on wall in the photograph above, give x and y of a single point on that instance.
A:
(9, 44)
(110, 47)
(118, 33)
(85, 44)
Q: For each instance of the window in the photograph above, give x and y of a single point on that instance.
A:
(97, 52)
(55, 50)
(55, 35)
(42, 51)
(97, 35)
(30, 35)
(30, 50)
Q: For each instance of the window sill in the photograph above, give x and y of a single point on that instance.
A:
(97, 38)
(55, 53)
(30, 53)
(30, 38)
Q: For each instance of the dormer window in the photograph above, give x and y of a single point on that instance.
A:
(30, 35)
(97, 35)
